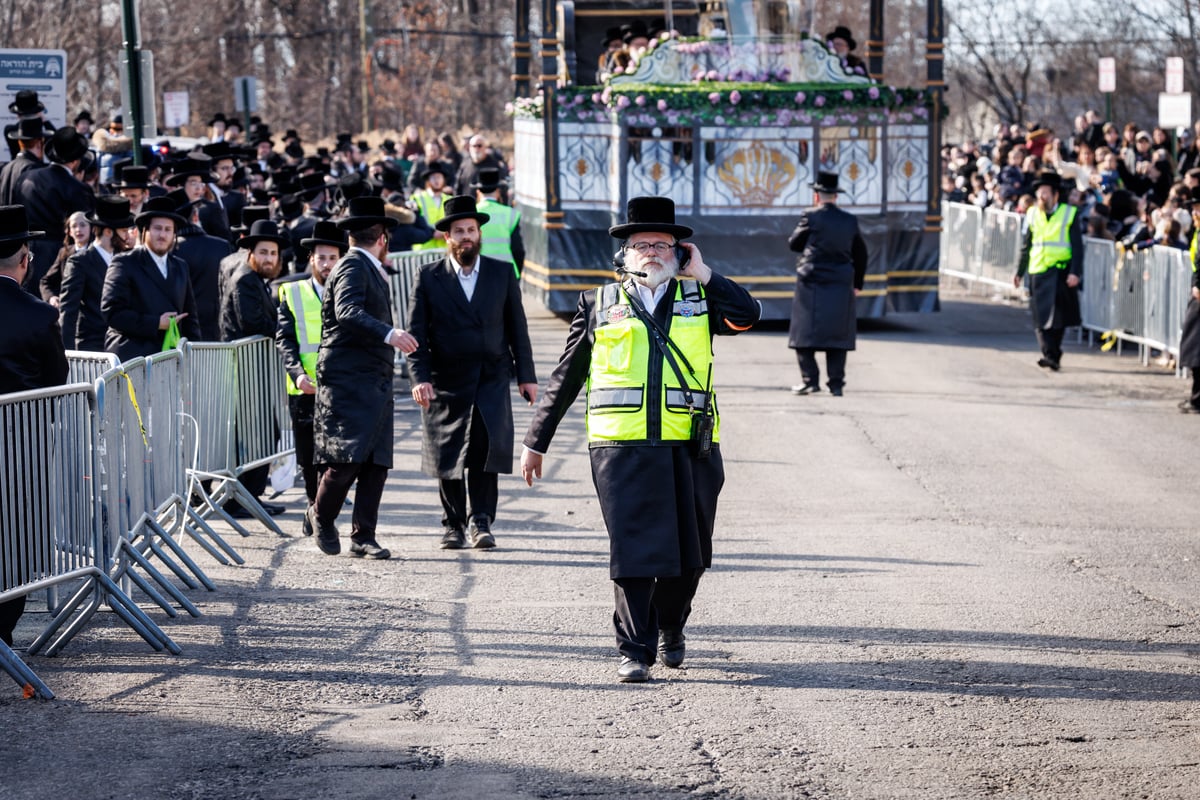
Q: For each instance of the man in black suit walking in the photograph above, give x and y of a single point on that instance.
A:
(83, 275)
(203, 254)
(31, 355)
(147, 287)
(466, 311)
(353, 418)
(830, 272)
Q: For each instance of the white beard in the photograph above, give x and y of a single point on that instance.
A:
(656, 274)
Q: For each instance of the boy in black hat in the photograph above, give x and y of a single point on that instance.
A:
(830, 272)
(29, 138)
(656, 461)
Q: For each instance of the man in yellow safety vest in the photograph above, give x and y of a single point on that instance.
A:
(502, 232)
(1052, 256)
(298, 337)
(429, 202)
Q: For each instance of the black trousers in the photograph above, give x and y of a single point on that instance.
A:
(644, 606)
(333, 487)
(835, 364)
(478, 485)
(10, 613)
(301, 407)
(1050, 341)
(1195, 398)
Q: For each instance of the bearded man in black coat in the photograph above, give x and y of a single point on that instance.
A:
(353, 419)
(466, 311)
(203, 254)
(83, 324)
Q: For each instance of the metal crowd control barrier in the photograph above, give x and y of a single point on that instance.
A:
(1000, 247)
(959, 245)
(1098, 294)
(50, 519)
(980, 246)
(403, 273)
(239, 402)
(85, 365)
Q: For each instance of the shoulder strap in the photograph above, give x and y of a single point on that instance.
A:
(663, 344)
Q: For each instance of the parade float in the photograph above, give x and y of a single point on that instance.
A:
(733, 127)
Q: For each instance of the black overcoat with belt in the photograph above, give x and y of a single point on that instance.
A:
(469, 351)
(1189, 343)
(659, 503)
(355, 365)
(83, 325)
(136, 295)
(831, 265)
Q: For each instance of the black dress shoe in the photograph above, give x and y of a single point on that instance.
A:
(670, 647)
(632, 671)
(806, 388)
(369, 549)
(273, 509)
(307, 525)
(1048, 363)
(453, 539)
(836, 392)
(1186, 407)
(481, 534)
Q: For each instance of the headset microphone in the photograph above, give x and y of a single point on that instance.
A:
(618, 262)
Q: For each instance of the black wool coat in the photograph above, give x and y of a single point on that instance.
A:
(354, 406)
(136, 295)
(247, 307)
(831, 265)
(469, 351)
(203, 255)
(1189, 343)
(31, 349)
(83, 325)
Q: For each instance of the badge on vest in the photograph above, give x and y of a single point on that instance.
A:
(619, 312)
(686, 309)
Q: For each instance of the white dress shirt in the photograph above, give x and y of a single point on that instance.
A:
(160, 261)
(467, 280)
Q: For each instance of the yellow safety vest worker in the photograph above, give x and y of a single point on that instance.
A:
(430, 205)
(1051, 238)
(301, 299)
(1192, 248)
(496, 233)
(625, 404)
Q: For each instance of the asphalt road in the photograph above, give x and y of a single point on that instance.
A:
(968, 577)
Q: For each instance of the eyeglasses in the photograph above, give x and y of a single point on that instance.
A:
(659, 248)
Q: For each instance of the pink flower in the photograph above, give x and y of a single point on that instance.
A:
(596, 97)
(873, 93)
(641, 100)
(618, 70)
(622, 101)
(662, 105)
(606, 95)
(714, 98)
(735, 97)
(820, 101)
(849, 95)
(713, 75)
(800, 98)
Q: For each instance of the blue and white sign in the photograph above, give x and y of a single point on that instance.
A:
(44, 71)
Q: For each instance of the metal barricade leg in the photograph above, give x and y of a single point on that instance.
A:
(20, 672)
(198, 529)
(178, 551)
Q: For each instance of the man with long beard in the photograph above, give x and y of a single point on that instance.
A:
(643, 349)
(466, 312)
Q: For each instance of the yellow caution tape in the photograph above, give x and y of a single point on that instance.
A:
(136, 409)
(1108, 340)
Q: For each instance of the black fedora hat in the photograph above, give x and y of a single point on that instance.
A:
(826, 182)
(842, 32)
(291, 206)
(14, 227)
(1049, 178)
(250, 215)
(183, 206)
(84, 115)
(488, 180)
(611, 35)
(133, 177)
(430, 169)
(263, 230)
(365, 211)
(326, 232)
(634, 30)
(650, 215)
(195, 164)
(26, 102)
(219, 151)
(217, 117)
(27, 130)
(311, 185)
(159, 207)
(460, 207)
(112, 211)
(66, 145)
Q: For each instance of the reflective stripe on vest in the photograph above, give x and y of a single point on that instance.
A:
(1051, 238)
(1192, 249)
(623, 406)
(496, 233)
(301, 296)
(432, 210)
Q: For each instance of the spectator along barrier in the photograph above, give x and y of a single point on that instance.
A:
(101, 481)
(1135, 296)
